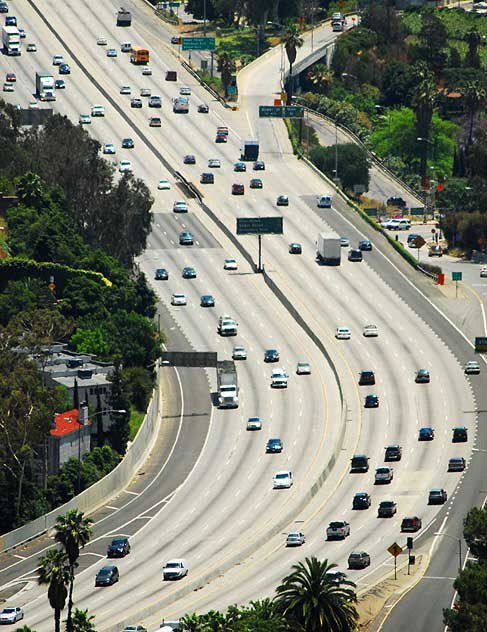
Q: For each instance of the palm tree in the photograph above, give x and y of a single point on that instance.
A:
(320, 76)
(312, 599)
(82, 621)
(423, 102)
(29, 188)
(73, 531)
(292, 41)
(474, 96)
(54, 570)
(226, 67)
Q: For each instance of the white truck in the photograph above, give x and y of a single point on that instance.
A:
(227, 326)
(328, 249)
(45, 86)
(227, 384)
(11, 40)
(279, 378)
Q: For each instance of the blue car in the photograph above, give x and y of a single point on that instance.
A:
(426, 434)
(64, 69)
(371, 401)
(207, 300)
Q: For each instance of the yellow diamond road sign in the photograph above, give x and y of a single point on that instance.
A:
(395, 549)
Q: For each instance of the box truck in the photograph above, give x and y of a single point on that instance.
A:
(250, 150)
(328, 249)
(45, 86)
(11, 40)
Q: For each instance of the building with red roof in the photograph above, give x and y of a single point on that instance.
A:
(70, 436)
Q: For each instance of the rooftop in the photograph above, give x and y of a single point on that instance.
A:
(66, 423)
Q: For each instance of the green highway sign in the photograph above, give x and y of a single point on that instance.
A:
(259, 226)
(456, 276)
(281, 111)
(174, 5)
(371, 212)
(419, 210)
(198, 43)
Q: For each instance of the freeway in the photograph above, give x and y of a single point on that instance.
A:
(226, 520)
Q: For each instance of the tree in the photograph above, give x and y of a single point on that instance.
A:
(30, 189)
(139, 383)
(292, 41)
(73, 531)
(54, 571)
(120, 428)
(472, 58)
(226, 68)
(423, 102)
(470, 612)
(320, 77)
(397, 83)
(433, 36)
(82, 621)
(353, 163)
(474, 96)
(312, 600)
(196, 8)
(475, 532)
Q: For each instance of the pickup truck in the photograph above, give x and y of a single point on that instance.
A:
(338, 530)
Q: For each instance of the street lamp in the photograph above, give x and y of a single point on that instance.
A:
(459, 540)
(100, 412)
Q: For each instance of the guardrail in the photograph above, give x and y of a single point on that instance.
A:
(92, 498)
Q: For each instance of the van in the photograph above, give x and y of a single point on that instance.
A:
(126, 47)
(324, 201)
(171, 75)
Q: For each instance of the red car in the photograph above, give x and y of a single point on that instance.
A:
(10, 77)
(221, 138)
(238, 189)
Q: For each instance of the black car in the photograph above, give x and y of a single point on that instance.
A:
(59, 84)
(366, 377)
(185, 238)
(207, 300)
(282, 200)
(371, 401)
(273, 446)
(203, 108)
(393, 453)
(207, 178)
(3, 7)
(354, 254)
(259, 165)
(422, 377)
(256, 183)
(118, 547)
(361, 500)
(398, 202)
(107, 576)
(360, 463)
(189, 273)
(189, 159)
(161, 274)
(460, 434)
(426, 434)
(271, 355)
(64, 69)
(238, 189)
(295, 249)
(365, 244)
(127, 143)
(387, 509)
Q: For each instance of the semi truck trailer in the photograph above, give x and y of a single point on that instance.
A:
(227, 384)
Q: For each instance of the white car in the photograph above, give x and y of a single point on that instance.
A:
(279, 378)
(126, 47)
(125, 90)
(239, 353)
(230, 264)
(84, 119)
(324, 201)
(33, 105)
(303, 368)
(112, 52)
(184, 91)
(483, 272)
(178, 299)
(343, 333)
(164, 185)
(11, 615)
(57, 60)
(472, 368)
(147, 71)
(31, 48)
(214, 163)
(254, 423)
(108, 148)
(371, 331)
(145, 92)
(125, 166)
(97, 110)
(180, 206)
(174, 569)
(101, 41)
(283, 479)
(384, 475)
(8, 87)
(338, 530)
(134, 628)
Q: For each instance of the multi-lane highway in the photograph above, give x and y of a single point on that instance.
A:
(226, 521)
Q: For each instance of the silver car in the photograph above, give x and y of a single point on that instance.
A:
(239, 353)
(295, 539)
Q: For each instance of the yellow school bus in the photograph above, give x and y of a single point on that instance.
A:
(139, 55)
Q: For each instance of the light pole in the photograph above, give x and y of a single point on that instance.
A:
(336, 151)
(100, 412)
(459, 540)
